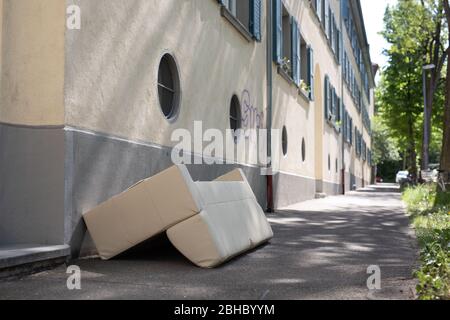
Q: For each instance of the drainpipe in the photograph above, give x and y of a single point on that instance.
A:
(269, 39)
(341, 53)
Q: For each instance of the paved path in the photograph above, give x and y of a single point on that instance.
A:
(321, 250)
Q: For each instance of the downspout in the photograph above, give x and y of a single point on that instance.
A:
(341, 54)
(269, 39)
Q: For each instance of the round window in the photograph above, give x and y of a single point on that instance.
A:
(168, 87)
(303, 150)
(284, 141)
(235, 116)
(235, 113)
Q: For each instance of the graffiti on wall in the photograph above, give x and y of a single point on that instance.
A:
(252, 118)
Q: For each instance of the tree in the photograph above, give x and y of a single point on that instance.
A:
(413, 30)
(385, 147)
(385, 151)
(434, 54)
(399, 93)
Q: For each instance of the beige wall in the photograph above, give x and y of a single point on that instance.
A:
(103, 77)
(305, 119)
(112, 65)
(33, 62)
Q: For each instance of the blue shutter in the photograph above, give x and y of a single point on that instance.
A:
(278, 32)
(351, 131)
(326, 95)
(255, 19)
(330, 24)
(344, 123)
(311, 73)
(295, 34)
(333, 101)
(338, 108)
(345, 11)
(338, 46)
(319, 9)
(327, 18)
(330, 100)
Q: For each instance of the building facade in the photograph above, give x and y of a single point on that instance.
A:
(87, 112)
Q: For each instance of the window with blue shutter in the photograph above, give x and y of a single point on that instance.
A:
(296, 63)
(311, 73)
(255, 18)
(278, 32)
(245, 16)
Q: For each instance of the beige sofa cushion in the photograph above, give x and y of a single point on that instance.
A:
(221, 231)
(209, 222)
(143, 211)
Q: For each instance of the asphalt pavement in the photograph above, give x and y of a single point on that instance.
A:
(322, 249)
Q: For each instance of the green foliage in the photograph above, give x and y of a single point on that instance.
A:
(384, 146)
(419, 199)
(434, 276)
(430, 211)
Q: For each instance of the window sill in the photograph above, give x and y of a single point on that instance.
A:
(236, 23)
(304, 94)
(333, 124)
(285, 75)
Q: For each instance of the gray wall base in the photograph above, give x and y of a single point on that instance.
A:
(51, 176)
(31, 185)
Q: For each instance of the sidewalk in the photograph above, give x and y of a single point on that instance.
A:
(321, 250)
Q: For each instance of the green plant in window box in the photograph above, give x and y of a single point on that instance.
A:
(304, 87)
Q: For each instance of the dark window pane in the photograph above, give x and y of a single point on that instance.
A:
(166, 98)
(165, 74)
(284, 141)
(303, 150)
(235, 114)
(168, 89)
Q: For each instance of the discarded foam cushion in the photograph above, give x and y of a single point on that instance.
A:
(209, 222)
(231, 222)
(146, 209)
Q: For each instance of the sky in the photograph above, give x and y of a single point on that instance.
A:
(373, 11)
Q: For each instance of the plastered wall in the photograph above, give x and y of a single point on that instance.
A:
(32, 56)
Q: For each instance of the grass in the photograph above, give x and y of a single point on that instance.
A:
(430, 213)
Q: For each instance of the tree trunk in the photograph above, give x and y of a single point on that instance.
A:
(445, 155)
(437, 58)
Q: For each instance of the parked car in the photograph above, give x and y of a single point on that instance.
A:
(379, 180)
(402, 177)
